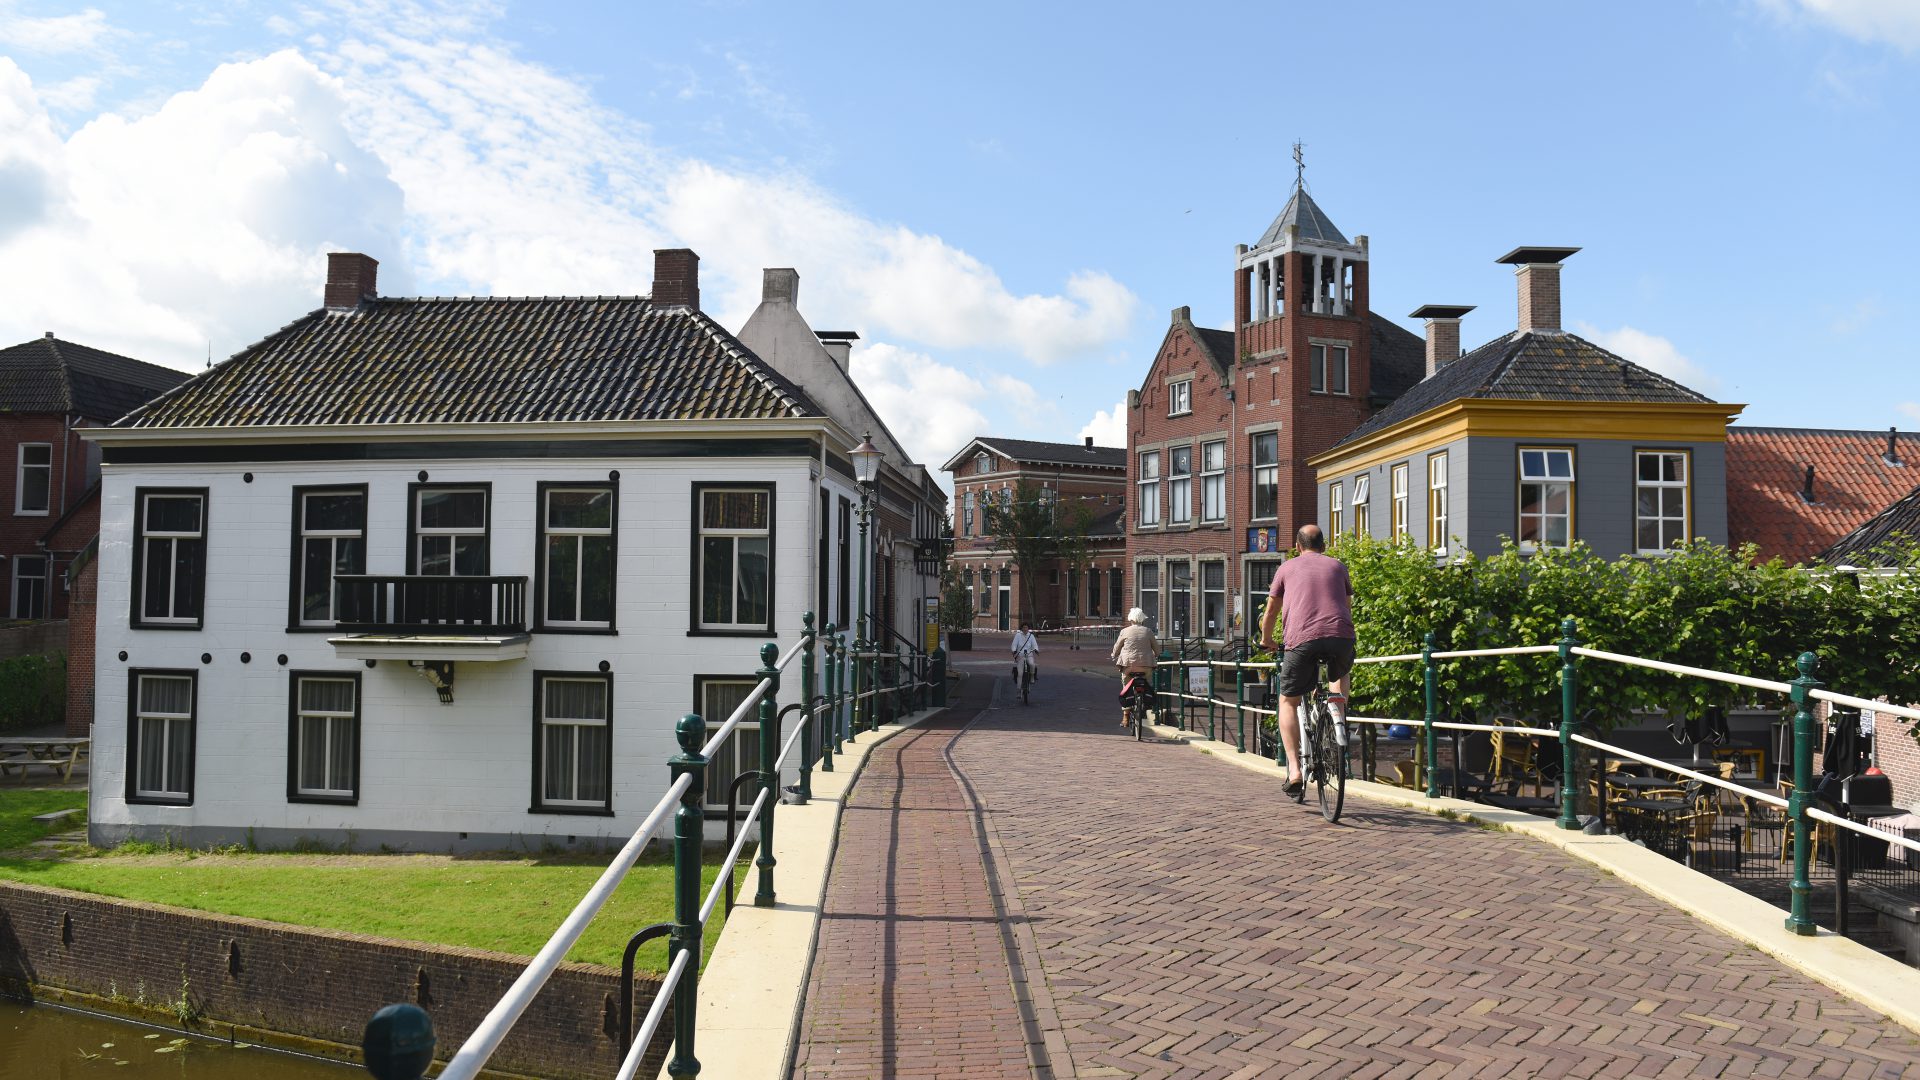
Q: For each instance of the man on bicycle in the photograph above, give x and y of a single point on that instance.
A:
(1026, 652)
(1314, 594)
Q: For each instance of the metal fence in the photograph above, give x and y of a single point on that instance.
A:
(858, 687)
(1824, 860)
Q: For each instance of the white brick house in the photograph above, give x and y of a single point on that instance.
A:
(443, 573)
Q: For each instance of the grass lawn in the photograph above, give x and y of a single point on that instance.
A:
(509, 903)
(19, 805)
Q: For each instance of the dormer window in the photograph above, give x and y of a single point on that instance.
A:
(982, 463)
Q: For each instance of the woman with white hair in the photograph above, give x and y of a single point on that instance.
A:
(1134, 652)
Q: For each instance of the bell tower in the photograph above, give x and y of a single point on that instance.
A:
(1302, 323)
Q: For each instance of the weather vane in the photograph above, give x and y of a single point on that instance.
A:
(1299, 163)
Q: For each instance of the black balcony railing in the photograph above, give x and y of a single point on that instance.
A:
(413, 603)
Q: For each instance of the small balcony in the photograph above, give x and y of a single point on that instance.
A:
(420, 617)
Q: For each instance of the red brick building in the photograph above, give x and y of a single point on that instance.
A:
(1220, 431)
(987, 471)
(49, 389)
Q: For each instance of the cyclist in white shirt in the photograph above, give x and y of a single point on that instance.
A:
(1026, 651)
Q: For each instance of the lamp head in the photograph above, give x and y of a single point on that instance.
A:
(866, 460)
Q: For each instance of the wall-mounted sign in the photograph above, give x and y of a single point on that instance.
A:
(1264, 540)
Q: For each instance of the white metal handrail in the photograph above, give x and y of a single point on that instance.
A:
(1516, 650)
(1396, 658)
(753, 697)
(655, 1013)
(493, 1028)
(733, 854)
(1744, 792)
(1864, 830)
(1862, 703)
(1682, 669)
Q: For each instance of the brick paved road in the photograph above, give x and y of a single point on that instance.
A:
(1191, 922)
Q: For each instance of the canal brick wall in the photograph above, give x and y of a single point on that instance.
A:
(310, 984)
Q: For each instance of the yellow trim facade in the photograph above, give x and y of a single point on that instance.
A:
(1623, 421)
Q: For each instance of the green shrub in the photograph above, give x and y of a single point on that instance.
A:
(33, 691)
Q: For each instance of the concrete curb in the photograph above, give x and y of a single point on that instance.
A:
(754, 985)
(1878, 982)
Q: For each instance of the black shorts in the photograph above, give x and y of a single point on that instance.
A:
(1300, 666)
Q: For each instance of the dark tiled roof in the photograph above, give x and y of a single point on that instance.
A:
(48, 375)
(1531, 366)
(1397, 356)
(1218, 345)
(1107, 523)
(1852, 481)
(1899, 523)
(1055, 453)
(482, 360)
(1301, 210)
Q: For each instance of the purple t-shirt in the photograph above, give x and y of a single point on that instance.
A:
(1314, 594)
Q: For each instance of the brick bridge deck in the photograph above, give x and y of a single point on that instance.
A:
(1036, 896)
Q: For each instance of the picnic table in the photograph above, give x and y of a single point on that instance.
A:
(56, 754)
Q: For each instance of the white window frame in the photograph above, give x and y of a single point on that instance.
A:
(20, 507)
(1219, 631)
(174, 537)
(349, 770)
(1147, 597)
(966, 513)
(1661, 520)
(1149, 484)
(1546, 479)
(1179, 487)
(1213, 482)
(719, 780)
(1267, 475)
(701, 533)
(21, 563)
(1438, 537)
(543, 723)
(579, 534)
(421, 533)
(1336, 510)
(982, 463)
(1180, 397)
(333, 537)
(171, 727)
(1402, 479)
(1362, 505)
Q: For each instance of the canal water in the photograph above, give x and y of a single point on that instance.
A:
(42, 1043)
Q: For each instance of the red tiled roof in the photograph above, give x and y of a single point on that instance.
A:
(1852, 481)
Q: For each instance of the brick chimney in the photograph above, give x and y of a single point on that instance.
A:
(350, 279)
(676, 278)
(1443, 333)
(1538, 269)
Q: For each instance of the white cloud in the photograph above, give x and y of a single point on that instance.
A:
(407, 132)
(1108, 428)
(1891, 22)
(72, 95)
(1911, 409)
(1653, 352)
(931, 407)
(80, 32)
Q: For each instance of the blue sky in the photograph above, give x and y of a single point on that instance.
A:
(1005, 200)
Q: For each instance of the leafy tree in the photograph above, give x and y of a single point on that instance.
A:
(956, 604)
(1036, 530)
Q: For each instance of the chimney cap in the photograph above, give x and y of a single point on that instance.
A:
(1440, 311)
(1520, 256)
(836, 335)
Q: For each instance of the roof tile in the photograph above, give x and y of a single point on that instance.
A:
(1852, 482)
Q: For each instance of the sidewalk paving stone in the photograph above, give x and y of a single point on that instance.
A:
(1167, 916)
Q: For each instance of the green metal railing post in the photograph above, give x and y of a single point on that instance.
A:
(1569, 700)
(769, 770)
(1213, 709)
(807, 687)
(1159, 683)
(689, 832)
(829, 746)
(1804, 733)
(1433, 710)
(1240, 704)
(937, 675)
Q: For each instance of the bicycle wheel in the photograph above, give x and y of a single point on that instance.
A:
(1330, 763)
(1026, 680)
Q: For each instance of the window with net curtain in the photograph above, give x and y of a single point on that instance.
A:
(577, 556)
(736, 553)
(326, 734)
(163, 737)
(575, 741)
(741, 752)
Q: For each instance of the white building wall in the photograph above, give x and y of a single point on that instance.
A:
(431, 775)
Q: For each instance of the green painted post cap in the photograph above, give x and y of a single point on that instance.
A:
(1807, 663)
(398, 1043)
(691, 733)
(768, 654)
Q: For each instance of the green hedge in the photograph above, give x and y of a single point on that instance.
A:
(33, 691)
(1704, 606)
